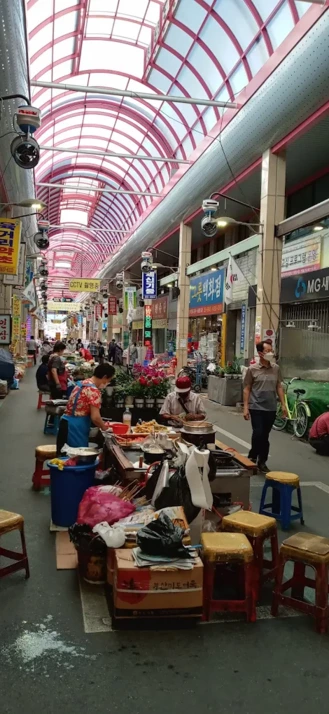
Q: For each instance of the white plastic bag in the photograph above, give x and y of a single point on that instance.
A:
(112, 537)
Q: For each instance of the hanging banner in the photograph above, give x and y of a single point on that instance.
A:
(38, 313)
(130, 298)
(5, 330)
(149, 285)
(18, 280)
(206, 293)
(10, 238)
(16, 327)
(301, 256)
(30, 295)
(28, 271)
(112, 305)
(234, 276)
(147, 324)
(84, 285)
(98, 311)
(63, 307)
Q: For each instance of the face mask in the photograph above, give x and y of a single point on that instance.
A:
(270, 357)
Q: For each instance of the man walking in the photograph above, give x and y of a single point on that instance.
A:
(32, 348)
(262, 386)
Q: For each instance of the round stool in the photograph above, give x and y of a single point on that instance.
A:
(41, 476)
(283, 484)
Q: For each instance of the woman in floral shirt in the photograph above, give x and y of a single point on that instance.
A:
(83, 408)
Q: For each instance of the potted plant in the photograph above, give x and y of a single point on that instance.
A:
(119, 397)
(232, 370)
(161, 390)
(150, 393)
(137, 390)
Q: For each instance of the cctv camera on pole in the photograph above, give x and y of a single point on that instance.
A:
(24, 149)
(209, 224)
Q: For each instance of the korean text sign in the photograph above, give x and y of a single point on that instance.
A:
(10, 237)
(206, 293)
(4, 329)
(147, 323)
(149, 285)
(112, 305)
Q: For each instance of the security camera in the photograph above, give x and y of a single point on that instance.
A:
(147, 259)
(120, 309)
(105, 295)
(43, 271)
(43, 286)
(209, 224)
(25, 151)
(119, 283)
(41, 240)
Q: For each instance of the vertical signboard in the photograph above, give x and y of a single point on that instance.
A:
(147, 324)
(5, 329)
(112, 305)
(10, 238)
(243, 329)
(16, 329)
(149, 285)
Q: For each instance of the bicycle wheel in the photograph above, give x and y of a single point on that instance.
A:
(280, 422)
(301, 421)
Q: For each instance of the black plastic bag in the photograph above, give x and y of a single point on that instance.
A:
(161, 537)
(83, 538)
(177, 493)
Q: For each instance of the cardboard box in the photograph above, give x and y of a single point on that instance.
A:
(155, 592)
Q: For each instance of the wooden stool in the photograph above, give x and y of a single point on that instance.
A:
(12, 522)
(42, 454)
(304, 549)
(223, 549)
(42, 403)
(258, 529)
(283, 485)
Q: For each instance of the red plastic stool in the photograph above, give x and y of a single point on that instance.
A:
(42, 454)
(12, 522)
(41, 403)
(228, 549)
(258, 530)
(304, 550)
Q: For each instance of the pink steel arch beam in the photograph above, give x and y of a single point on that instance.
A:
(135, 95)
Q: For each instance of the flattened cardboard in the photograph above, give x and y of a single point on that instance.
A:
(66, 555)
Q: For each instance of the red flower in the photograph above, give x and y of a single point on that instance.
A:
(156, 380)
(143, 381)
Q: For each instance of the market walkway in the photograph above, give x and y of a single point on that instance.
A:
(48, 662)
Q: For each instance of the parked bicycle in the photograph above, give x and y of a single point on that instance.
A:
(299, 415)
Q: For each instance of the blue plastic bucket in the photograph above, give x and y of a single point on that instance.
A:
(67, 488)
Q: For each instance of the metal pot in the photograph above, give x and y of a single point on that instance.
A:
(87, 458)
(197, 427)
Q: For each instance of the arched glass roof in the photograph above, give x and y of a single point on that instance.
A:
(207, 49)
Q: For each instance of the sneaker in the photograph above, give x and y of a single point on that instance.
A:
(263, 468)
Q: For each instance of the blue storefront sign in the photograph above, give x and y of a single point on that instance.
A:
(149, 285)
(243, 329)
(206, 293)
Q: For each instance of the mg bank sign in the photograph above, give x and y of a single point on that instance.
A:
(305, 287)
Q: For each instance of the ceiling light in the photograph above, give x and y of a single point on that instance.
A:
(290, 324)
(213, 268)
(318, 228)
(32, 203)
(222, 222)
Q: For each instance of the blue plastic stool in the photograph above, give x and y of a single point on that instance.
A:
(53, 427)
(283, 485)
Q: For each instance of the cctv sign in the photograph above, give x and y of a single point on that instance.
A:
(149, 285)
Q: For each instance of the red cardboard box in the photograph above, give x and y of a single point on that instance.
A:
(155, 592)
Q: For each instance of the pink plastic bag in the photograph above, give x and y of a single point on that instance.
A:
(99, 505)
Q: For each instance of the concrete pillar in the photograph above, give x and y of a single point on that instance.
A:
(6, 292)
(185, 240)
(272, 205)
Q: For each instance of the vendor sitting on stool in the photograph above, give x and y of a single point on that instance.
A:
(83, 408)
(319, 434)
(183, 403)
